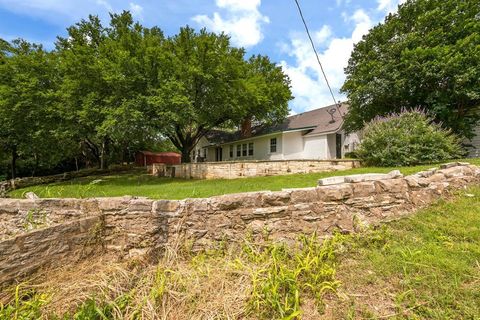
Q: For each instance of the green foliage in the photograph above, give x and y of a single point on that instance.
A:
(289, 275)
(105, 77)
(26, 305)
(405, 139)
(29, 118)
(205, 83)
(106, 92)
(428, 264)
(34, 219)
(426, 55)
(91, 309)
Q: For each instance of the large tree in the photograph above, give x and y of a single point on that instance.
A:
(28, 114)
(205, 83)
(106, 73)
(427, 55)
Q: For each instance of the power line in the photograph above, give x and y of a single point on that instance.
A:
(316, 55)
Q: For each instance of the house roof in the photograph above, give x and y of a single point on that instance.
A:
(317, 121)
(150, 153)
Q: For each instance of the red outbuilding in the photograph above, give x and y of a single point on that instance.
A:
(146, 158)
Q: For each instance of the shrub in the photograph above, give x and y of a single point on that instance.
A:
(407, 138)
(351, 155)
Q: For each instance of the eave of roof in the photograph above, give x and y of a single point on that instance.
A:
(317, 120)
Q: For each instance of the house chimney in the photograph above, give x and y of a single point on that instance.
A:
(246, 127)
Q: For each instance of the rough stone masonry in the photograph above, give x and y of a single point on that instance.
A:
(40, 233)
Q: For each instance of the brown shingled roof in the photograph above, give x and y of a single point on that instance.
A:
(318, 121)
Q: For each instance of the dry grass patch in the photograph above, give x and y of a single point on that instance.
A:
(242, 281)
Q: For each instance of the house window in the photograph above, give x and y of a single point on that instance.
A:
(239, 150)
(250, 149)
(273, 145)
(231, 151)
(244, 150)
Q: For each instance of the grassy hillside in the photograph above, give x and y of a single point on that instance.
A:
(166, 188)
(426, 266)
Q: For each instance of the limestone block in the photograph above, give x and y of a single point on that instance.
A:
(276, 198)
(391, 186)
(362, 189)
(427, 173)
(31, 195)
(361, 202)
(437, 177)
(262, 213)
(235, 201)
(457, 171)
(413, 181)
(54, 246)
(165, 206)
(335, 192)
(303, 195)
(196, 233)
(10, 206)
(331, 180)
(256, 226)
(143, 205)
(373, 176)
(113, 204)
(453, 164)
(438, 187)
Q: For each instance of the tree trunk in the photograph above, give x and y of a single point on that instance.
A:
(186, 155)
(34, 171)
(94, 150)
(14, 162)
(246, 127)
(103, 155)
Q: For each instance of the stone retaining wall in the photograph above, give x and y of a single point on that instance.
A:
(50, 247)
(243, 169)
(341, 205)
(136, 226)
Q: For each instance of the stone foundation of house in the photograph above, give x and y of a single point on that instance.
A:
(41, 233)
(244, 169)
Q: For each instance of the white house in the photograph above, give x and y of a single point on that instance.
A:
(315, 134)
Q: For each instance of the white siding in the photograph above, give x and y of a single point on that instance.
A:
(261, 149)
(350, 142)
(315, 147)
(292, 145)
(331, 147)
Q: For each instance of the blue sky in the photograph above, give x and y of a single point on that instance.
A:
(269, 27)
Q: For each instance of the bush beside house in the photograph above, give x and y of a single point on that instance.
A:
(405, 139)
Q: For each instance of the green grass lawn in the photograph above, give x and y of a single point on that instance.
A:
(135, 184)
(426, 266)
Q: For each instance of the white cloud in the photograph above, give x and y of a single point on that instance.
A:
(242, 21)
(308, 84)
(136, 10)
(389, 6)
(105, 4)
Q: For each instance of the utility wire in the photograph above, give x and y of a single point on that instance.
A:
(318, 59)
